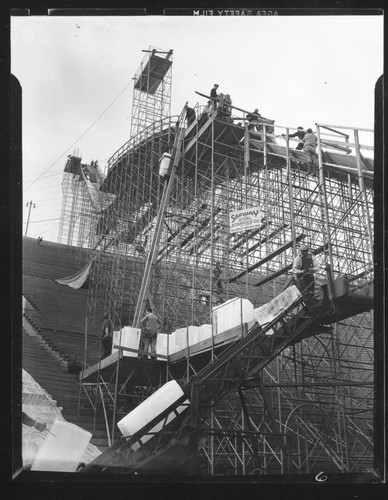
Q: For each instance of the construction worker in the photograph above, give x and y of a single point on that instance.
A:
(228, 105)
(309, 149)
(217, 281)
(106, 336)
(190, 115)
(300, 133)
(150, 326)
(304, 267)
(214, 95)
(253, 120)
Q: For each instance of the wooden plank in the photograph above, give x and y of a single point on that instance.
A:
(103, 364)
(267, 238)
(266, 259)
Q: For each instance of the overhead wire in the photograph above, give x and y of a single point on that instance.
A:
(44, 220)
(85, 132)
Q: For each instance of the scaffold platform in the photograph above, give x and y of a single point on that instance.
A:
(143, 371)
(225, 373)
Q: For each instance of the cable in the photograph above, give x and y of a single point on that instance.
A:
(44, 220)
(75, 142)
(59, 172)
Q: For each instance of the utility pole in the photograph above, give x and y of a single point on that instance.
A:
(29, 212)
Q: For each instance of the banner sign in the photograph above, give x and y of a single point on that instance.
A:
(243, 220)
(268, 312)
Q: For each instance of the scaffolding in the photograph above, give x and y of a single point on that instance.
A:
(124, 228)
(82, 201)
(311, 408)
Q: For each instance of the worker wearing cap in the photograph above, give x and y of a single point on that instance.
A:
(304, 267)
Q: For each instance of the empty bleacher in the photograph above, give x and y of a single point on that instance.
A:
(54, 316)
(57, 312)
(63, 387)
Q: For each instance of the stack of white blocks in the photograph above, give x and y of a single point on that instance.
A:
(231, 314)
(226, 316)
(185, 337)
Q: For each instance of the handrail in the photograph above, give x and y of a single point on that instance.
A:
(141, 135)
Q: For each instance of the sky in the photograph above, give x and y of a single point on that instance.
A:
(77, 89)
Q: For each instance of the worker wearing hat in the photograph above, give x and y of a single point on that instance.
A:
(304, 267)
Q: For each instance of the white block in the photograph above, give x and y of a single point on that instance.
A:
(268, 312)
(194, 335)
(171, 347)
(178, 340)
(181, 339)
(159, 426)
(127, 337)
(232, 313)
(161, 344)
(205, 332)
(62, 448)
(150, 408)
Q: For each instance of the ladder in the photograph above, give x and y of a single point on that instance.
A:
(144, 294)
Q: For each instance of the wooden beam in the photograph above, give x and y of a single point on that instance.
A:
(287, 268)
(266, 259)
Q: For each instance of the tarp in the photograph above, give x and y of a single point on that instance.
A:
(100, 200)
(77, 279)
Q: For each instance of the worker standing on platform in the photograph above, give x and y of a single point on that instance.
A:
(304, 267)
(214, 95)
(106, 337)
(309, 148)
(150, 326)
(190, 115)
(253, 120)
